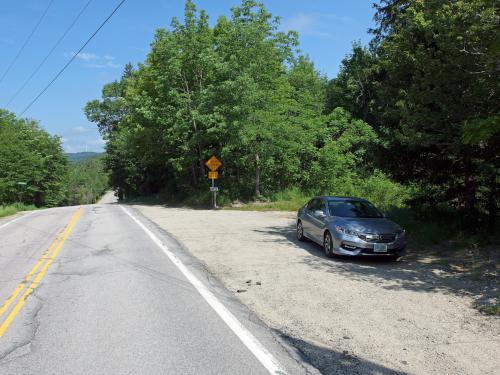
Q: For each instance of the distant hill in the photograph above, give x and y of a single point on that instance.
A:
(79, 156)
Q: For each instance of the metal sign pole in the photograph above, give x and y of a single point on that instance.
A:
(214, 200)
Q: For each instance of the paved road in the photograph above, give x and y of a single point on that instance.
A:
(98, 289)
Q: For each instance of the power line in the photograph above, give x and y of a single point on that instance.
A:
(49, 54)
(26, 41)
(73, 57)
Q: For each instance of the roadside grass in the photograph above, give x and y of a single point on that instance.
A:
(11, 209)
(491, 310)
(288, 200)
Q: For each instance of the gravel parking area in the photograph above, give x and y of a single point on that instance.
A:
(345, 316)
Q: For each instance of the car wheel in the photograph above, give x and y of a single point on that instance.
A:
(328, 245)
(300, 232)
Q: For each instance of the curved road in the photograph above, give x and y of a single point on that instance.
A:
(98, 289)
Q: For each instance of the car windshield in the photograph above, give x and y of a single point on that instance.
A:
(353, 209)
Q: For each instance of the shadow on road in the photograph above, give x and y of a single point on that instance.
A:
(417, 273)
(331, 362)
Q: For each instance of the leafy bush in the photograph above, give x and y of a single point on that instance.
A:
(376, 188)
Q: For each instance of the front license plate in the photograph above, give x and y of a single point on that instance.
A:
(380, 248)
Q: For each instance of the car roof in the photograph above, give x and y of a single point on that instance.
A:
(340, 198)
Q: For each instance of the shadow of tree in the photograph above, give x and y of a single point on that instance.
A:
(433, 275)
(329, 361)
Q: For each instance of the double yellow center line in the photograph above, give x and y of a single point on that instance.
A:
(33, 280)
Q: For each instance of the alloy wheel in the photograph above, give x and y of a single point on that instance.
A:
(300, 231)
(328, 245)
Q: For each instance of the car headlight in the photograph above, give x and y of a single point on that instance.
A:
(350, 232)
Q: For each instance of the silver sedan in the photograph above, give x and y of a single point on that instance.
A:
(350, 226)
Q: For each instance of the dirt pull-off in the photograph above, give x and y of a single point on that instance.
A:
(346, 316)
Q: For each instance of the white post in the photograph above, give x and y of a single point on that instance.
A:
(214, 194)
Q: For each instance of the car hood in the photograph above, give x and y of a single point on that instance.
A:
(369, 225)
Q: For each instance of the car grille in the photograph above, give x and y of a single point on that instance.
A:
(378, 238)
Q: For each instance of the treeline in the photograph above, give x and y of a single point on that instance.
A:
(87, 181)
(413, 117)
(34, 170)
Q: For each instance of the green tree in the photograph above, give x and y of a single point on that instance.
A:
(87, 181)
(31, 156)
(354, 86)
(438, 99)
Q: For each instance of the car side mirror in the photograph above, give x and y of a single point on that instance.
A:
(319, 214)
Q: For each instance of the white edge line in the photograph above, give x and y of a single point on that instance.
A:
(16, 219)
(257, 349)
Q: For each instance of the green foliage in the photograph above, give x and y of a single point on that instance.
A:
(87, 181)
(377, 188)
(238, 90)
(80, 156)
(33, 163)
(430, 86)
(491, 310)
(11, 209)
(35, 170)
(287, 200)
(354, 86)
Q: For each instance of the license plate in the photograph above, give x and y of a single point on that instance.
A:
(380, 248)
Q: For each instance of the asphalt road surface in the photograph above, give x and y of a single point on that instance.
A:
(98, 289)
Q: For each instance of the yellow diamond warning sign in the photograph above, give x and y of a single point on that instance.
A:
(213, 163)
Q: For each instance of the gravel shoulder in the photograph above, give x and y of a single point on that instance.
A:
(345, 316)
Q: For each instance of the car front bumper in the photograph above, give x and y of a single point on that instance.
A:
(354, 246)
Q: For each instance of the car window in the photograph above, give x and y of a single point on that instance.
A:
(317, 205)
(310, 205)
(321, 206)
(353, 209)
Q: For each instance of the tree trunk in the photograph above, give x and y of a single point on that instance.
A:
(492, 204)
(193, 174)
(470, 199)
(200, 158)
(257, 175)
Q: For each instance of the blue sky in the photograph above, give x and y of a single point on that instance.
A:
(326, 28)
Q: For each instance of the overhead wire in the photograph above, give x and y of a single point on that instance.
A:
(14, 60)
(72, 58)
(68, 29)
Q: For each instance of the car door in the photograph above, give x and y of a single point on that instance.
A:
(307, 218)
(318, 223)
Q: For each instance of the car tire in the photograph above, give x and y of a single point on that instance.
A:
(328, 245)
(300, 232)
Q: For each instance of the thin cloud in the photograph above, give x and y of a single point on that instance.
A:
(87, 56)
(106, 64)
(93, 60)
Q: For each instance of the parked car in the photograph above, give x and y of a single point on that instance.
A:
(351, 227)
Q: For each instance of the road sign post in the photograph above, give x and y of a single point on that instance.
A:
(213, 164)
(214, 193)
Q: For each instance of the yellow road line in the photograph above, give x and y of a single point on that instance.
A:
(27, 278)
(8, 321)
